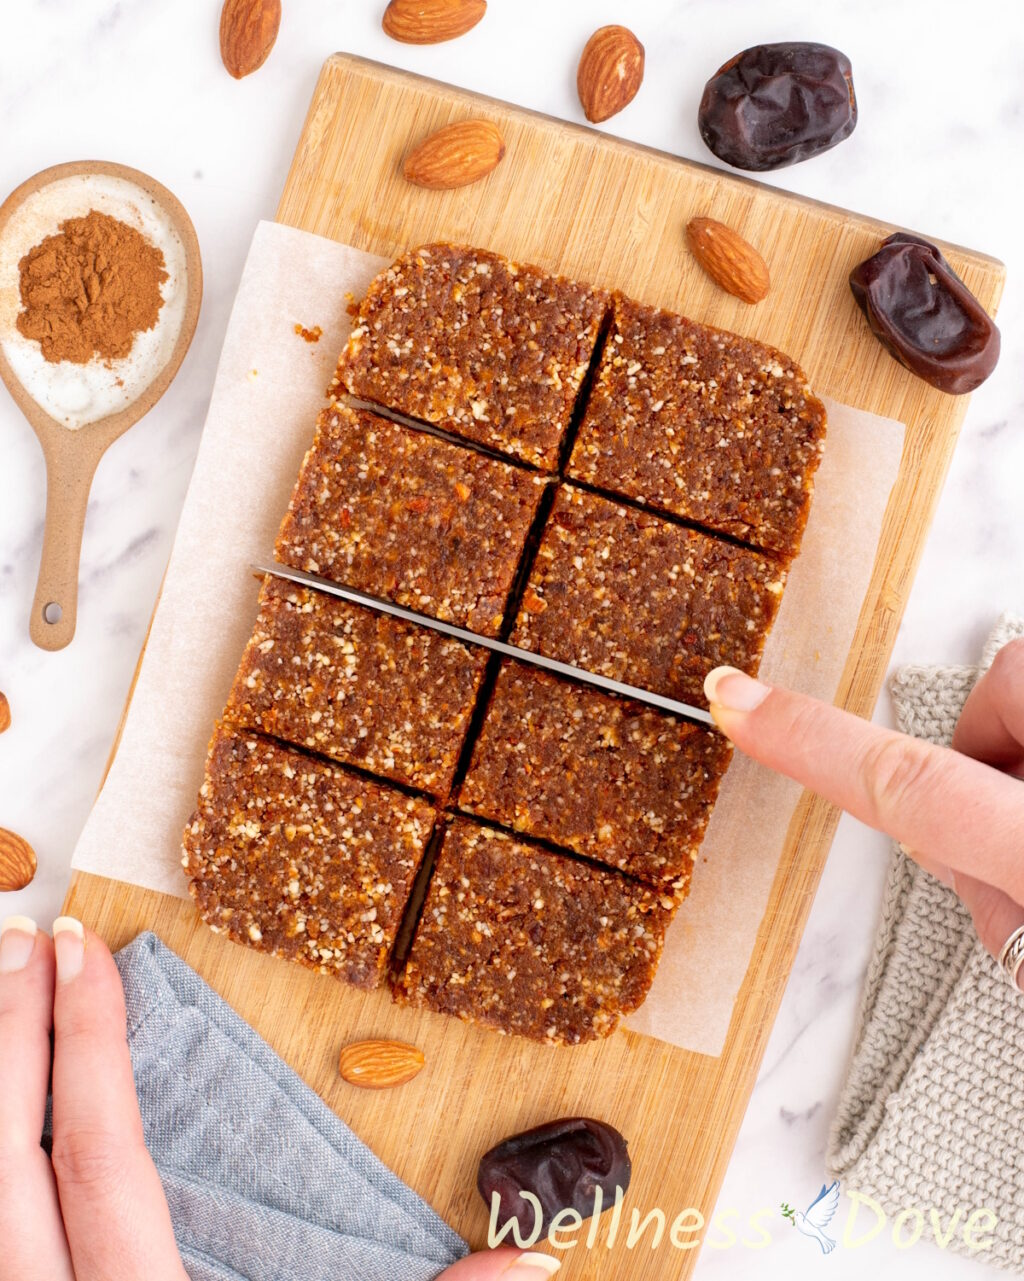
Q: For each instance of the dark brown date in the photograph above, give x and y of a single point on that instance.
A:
(924, 314)
(562, 1164)
(775, 104)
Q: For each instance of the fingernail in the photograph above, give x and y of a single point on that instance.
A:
(532, 1266)
(17, 939)
(734, 690)
(69, 945)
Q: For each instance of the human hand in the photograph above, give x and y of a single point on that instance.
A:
(958, 812)
(503, 1265)
(95, 1210)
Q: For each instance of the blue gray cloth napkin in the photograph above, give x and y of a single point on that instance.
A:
(263, 1180)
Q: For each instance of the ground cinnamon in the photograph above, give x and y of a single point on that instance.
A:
(89, 289)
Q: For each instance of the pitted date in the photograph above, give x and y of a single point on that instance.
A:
(562, 1164)
(775, 104)
(924, 314)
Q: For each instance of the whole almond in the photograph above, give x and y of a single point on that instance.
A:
(611, 71)
(729, 260)
(17, 861)
(431, 21)
(248, 29)
(5, 713)
(455, 156)
(379, 1065)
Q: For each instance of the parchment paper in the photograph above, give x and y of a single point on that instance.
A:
(268, 390)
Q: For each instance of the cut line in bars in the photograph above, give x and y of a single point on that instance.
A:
(527, 656)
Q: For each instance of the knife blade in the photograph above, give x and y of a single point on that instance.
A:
(528, 656)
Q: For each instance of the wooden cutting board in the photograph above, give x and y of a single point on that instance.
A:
(580, 202)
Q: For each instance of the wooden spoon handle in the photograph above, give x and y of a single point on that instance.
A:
(69, 473)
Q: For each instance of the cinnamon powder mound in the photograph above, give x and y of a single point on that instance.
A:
(89, 289)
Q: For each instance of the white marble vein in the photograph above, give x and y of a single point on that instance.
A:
(938, 148)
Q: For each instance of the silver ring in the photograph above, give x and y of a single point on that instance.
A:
(1011, 958)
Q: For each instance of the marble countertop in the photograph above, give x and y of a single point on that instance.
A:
(938, 148)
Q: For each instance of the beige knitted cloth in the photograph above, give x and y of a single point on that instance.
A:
(932, 1110)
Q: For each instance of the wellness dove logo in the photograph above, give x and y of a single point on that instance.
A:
(813, 1221)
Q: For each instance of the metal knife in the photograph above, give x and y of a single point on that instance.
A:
(486, 642)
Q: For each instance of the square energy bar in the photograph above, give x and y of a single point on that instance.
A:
(607, 777)
(529, 942)
(627, 594)
(715, 428)
(303, 859)
(491, 350)
(399, 513)
(357, 686)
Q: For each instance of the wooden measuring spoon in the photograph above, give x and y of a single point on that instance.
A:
(73, 453)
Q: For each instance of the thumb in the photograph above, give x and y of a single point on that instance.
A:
(956, 811)
(503, 1265)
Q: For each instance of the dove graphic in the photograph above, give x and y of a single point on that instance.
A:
(817, 1217)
